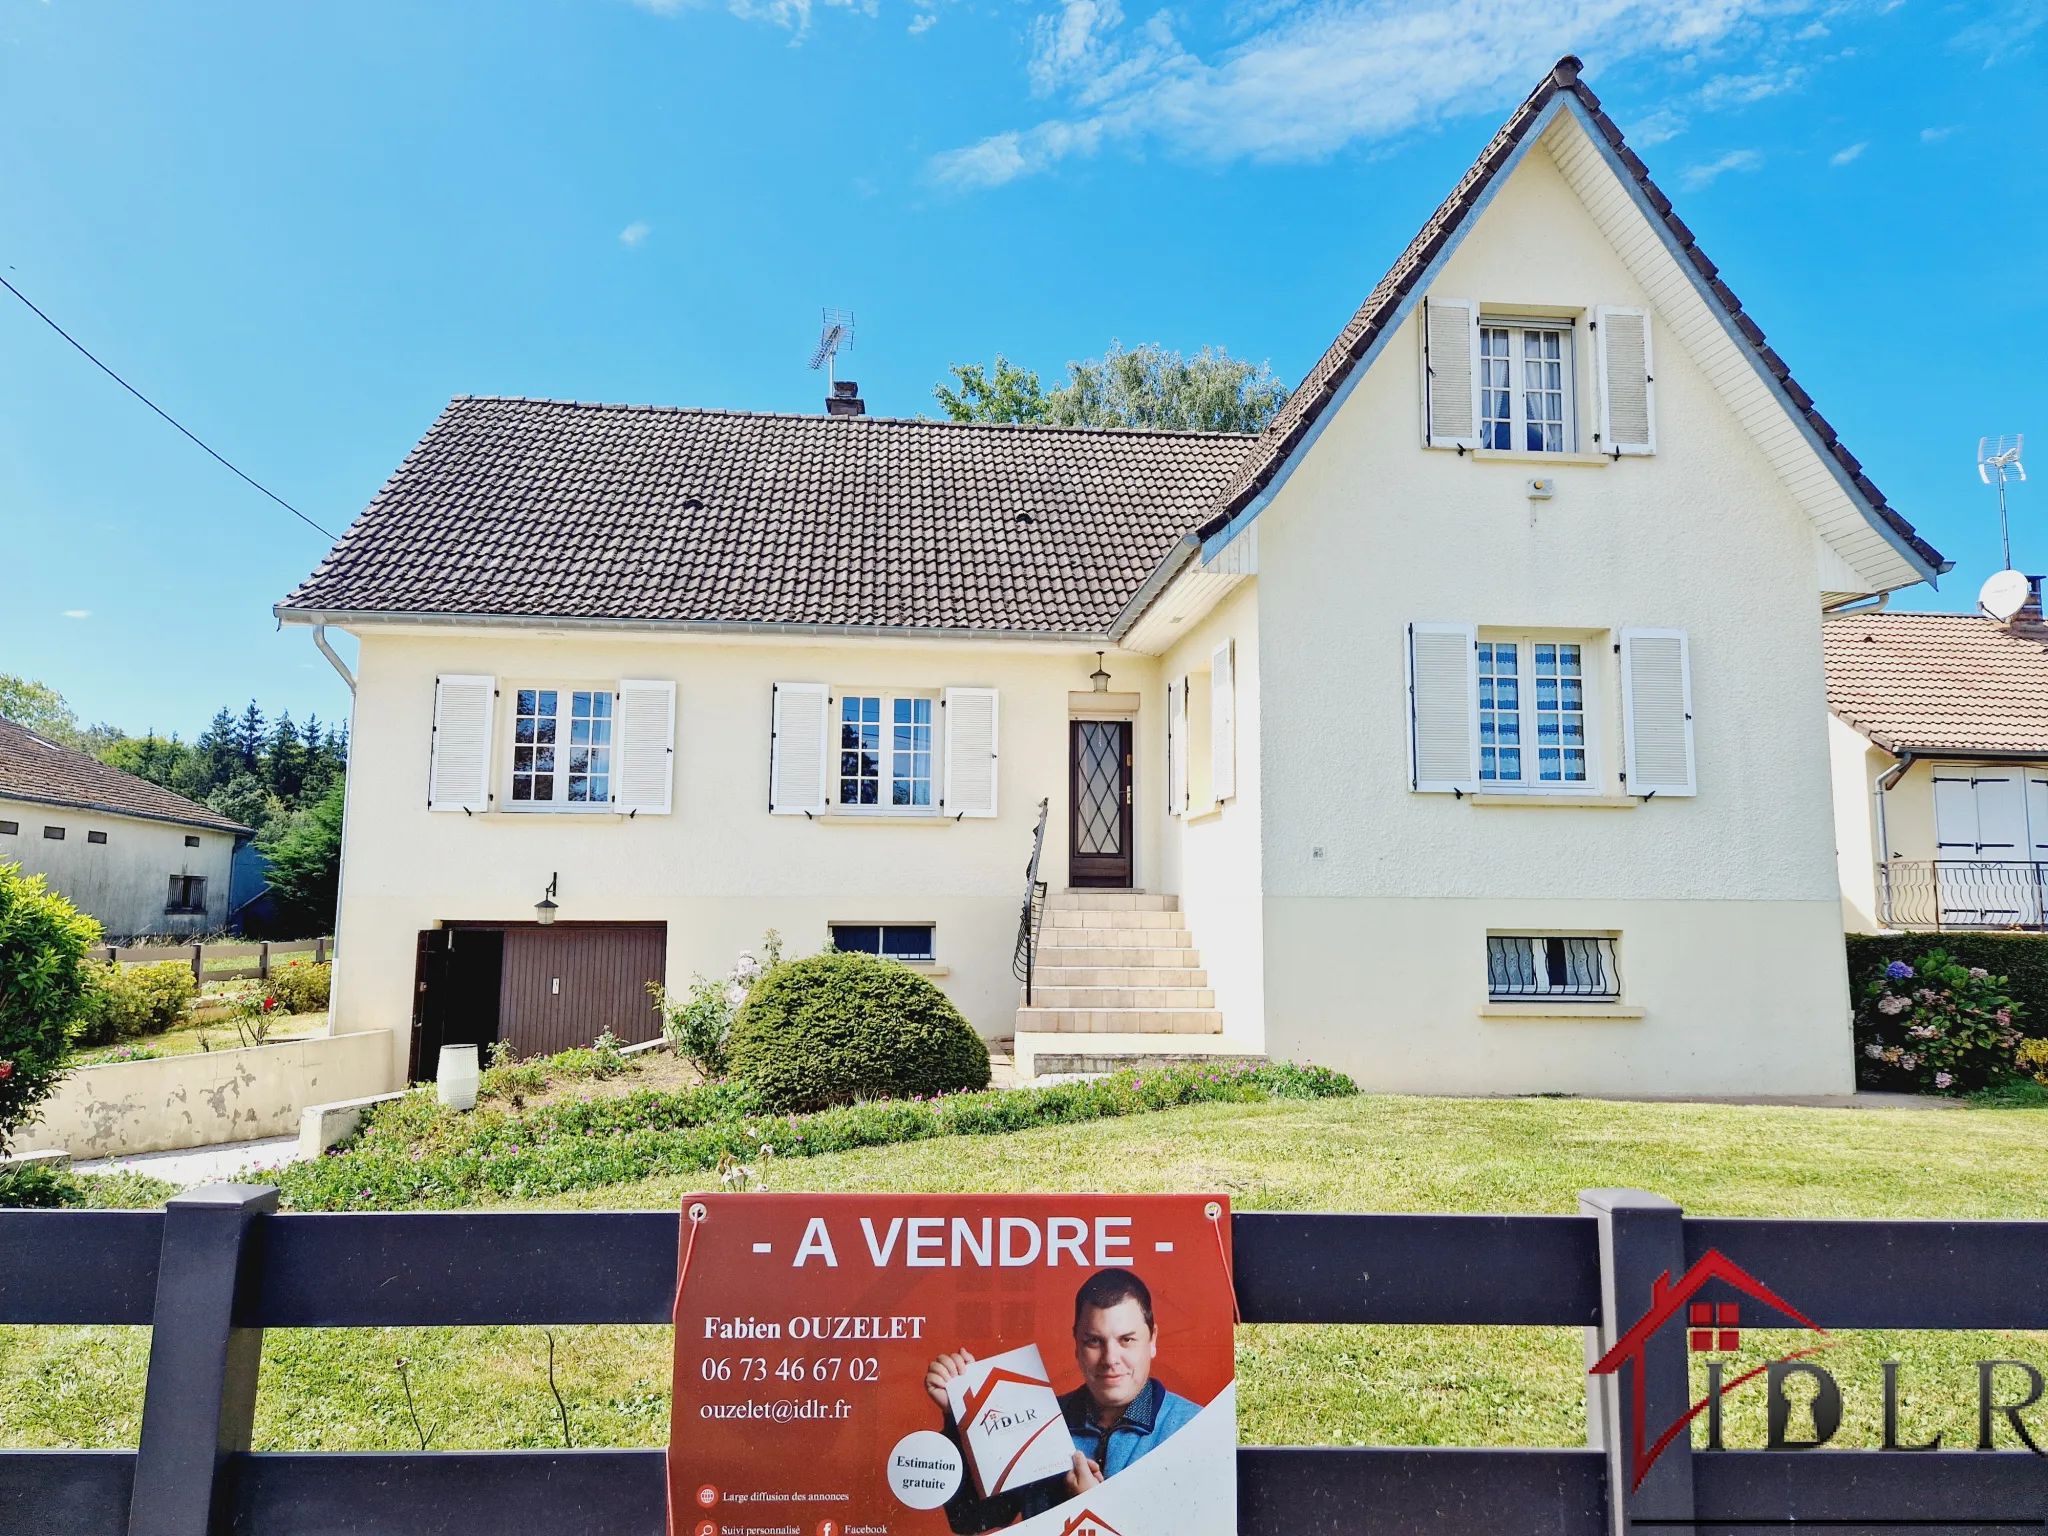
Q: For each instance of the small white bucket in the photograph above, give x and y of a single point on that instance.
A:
(457, 1076)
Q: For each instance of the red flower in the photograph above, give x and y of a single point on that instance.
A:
(6, 1070)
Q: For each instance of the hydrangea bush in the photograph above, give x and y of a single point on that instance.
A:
(1936, 1025)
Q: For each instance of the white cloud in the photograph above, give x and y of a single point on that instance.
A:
(1660, 127)
(1308, 77)
(923, 21)
(1734, 160)
(1845, 156)
(77, 613)
(1936, 135)
(635, 232)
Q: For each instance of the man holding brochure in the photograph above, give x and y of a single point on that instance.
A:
(1117, 1415)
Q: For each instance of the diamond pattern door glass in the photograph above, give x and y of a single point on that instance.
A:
(1100, 824)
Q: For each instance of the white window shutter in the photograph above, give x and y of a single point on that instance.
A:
(1443, 707)
(970, 751)
(459, 778)
(1627, 379)
(2037, 815)
(1656, 711)
(1177, 746)
(1450, 373)
(2001, 813)
(798, 753)
(1222, 723)
(647, 745)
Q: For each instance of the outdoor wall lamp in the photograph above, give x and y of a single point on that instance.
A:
(1099, 677)
(545, 908)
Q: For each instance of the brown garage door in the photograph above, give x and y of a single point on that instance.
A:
(567, 984)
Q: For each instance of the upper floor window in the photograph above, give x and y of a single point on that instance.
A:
(1532, 712)
(885, 751)
(1525, 386)
(562, 746)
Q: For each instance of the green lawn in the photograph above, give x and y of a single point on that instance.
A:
(488, 1388)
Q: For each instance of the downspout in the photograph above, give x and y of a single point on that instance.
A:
(348, 790)
(335, 661)
(1888, 779)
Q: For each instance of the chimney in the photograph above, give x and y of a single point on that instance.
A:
(845, 400)
(2029, 616)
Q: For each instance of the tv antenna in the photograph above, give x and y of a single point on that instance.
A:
(1997, 458)
(835, 336)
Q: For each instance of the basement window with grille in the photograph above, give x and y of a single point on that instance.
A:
(895, 941)
(1521, 967)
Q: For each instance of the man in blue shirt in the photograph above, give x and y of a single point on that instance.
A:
(1118, 1413)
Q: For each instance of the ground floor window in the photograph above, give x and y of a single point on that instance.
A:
(1550, 966)
(188, 894)
(898, 941)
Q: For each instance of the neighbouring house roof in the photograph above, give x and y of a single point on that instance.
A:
(1940, 682)
(552, 510)
(33, 768)
(1385, 305)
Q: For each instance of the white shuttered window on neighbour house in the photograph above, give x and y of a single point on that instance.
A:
(1656, 712)
(1627, 380)
(1450, 373)
(970, 752)
(645, 775)
(798, 745)
(459, 775)
(1177, 746)
(1980, 812)
(1443, 713)
(1223, 722)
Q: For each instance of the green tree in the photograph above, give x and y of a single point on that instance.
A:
(39, 707)
(1149, 388)
(43, 981)
(305, 868)
(250, 738)
(284, 760)
(1004, 393)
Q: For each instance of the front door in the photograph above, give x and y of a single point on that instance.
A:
(1099, 830)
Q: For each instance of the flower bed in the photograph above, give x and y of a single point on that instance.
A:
(412, 1153)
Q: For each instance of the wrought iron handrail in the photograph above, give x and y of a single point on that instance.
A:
(1944, 894)
(1025, 959)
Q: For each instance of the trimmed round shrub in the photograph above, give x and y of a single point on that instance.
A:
(301, 986)
(124, 1001)
(43, 944)
(837, 1027)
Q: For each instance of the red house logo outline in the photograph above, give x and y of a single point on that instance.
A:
(1088, 1523)
(976, 1397)
(1708, 1325)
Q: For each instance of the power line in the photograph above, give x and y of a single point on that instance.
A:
(167, 416)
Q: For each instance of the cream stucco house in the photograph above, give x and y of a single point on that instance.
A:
(1938, 725)
(1466, 730)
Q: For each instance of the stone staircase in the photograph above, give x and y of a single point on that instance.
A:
(1119, 963)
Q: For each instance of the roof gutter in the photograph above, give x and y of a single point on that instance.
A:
(1162, 576)
(344, 617)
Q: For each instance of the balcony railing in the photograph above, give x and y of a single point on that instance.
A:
(1962, 893)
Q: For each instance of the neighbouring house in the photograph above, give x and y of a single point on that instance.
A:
(1938, 725)
(1466, 730)
(138, 857)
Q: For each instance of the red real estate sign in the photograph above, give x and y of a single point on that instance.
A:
(853, 1365)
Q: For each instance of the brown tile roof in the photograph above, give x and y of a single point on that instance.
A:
(552, 509)
(1383, 305)
(1940, 682)
(32, 768)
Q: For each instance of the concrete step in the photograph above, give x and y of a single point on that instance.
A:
(1117, 956)
(1120, 1021)
(1172, 998)
(1112, 901)
(1123, 976)
(1104, 917)
(1119, 937)
(1064, 1054)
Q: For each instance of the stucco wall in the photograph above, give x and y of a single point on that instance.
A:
(1854, 768)
(721, 869)
(1375, 953)
(1211, 856)
(124, 881)
(200, 1100)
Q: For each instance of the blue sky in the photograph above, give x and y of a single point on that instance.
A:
(302, 228)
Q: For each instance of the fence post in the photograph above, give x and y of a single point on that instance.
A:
(1642, 1251)
(200, 1402)
(320, 950)
(199, 965)
(263, 961)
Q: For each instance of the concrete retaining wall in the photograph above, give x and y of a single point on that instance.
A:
(130, 1107)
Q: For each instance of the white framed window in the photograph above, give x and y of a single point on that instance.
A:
(885, 752)
(1525, 386)
(1532, 713)
(894, 941)
(1551, 965)
(562, 745)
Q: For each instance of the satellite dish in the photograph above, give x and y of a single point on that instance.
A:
(2005, 594)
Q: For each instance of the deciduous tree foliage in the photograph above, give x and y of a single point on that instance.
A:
(43, 981)
(1149, 388)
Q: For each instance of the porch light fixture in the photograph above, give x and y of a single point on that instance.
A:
(1099, 677)
(545, 908)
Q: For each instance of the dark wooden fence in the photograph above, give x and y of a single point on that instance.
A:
(217, 1267)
